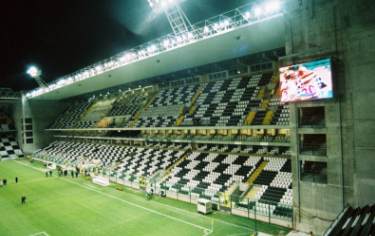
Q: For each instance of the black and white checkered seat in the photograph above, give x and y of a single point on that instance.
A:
(225, 102)
(9, 147)
(146, 162)
(206, 174)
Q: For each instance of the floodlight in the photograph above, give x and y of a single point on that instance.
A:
(166, 43)
(127, 57)
(175, 15)
(162, 4)
(216, 26)
(61, 82)
(247, 15)
(178, 39)
(206, 29)
(34, 72)
(272, 6)
(151, 49)
(258, 11)
(99, 69)
(190, 35)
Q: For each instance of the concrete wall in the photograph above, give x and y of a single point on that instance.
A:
(17, 116)
(345, 30)
(43, 113)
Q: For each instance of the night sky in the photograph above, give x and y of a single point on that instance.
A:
(64, 36)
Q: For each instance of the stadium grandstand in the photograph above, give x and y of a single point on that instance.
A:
(260, 118)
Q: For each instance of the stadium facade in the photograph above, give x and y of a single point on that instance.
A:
(159, 100)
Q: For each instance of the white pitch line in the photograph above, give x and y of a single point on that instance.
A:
(40, 234)
(172, 207)
(136, 205)
(32, 167)
(195, 215)
(129, 203)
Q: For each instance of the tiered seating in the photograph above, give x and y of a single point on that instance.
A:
(6, 123)
(354, 221)
(62, 152)
(130, 162)
(167, 107)
(206, 174)
(225, 102)
(6, 127)
(145, 162)
(9, 147)
(8, 144)
(128, 104)
(8, 93)
(71, 117)
(281, 114)
(244, 149)
(170, 146)
(276, 187)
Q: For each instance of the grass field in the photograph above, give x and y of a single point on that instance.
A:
(66, 206)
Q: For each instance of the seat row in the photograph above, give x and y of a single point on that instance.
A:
(207, 174)
(358, 221)
(9, 147)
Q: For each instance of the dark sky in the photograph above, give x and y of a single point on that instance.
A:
(64, 36)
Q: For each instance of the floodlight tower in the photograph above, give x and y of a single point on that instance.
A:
(35, 73)
(177, 19)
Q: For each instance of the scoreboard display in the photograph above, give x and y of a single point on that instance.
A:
(306, 81)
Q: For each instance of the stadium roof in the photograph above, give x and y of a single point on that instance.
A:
(247, 30)
(247, 40)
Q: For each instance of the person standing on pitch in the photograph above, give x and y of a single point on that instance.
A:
(23, 200)
(4, 182)
(16, 179)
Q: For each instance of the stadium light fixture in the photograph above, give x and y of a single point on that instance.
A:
(247, 15)
(258, 11)
(151, 49)
(272, 6)
(34, 72)
(162, 4)
(206, 29)
(99, 69)
(177, 18)
(166, 43)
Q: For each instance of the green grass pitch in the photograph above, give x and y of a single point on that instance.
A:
(75, 207)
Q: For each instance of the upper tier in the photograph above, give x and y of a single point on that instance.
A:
(237, 101)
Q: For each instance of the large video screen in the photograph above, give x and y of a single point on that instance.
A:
(307, 81)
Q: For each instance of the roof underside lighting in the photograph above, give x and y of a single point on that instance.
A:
(229, 21)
